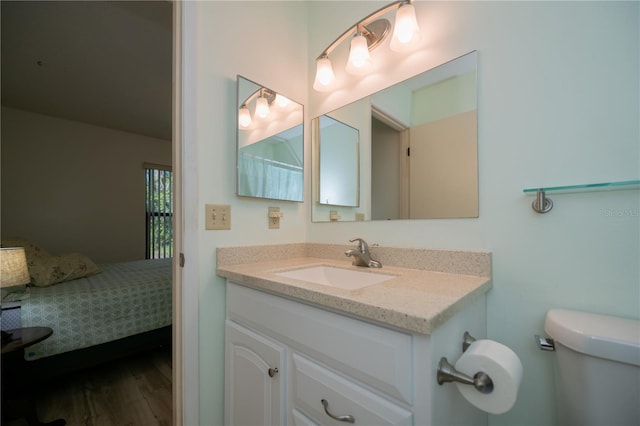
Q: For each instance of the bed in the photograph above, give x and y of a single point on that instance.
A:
(110, 311)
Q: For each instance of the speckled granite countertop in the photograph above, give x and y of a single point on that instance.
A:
(429, 286)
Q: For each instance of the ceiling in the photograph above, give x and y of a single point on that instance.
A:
(105, 63)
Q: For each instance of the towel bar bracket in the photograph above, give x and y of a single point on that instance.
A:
(541, 204)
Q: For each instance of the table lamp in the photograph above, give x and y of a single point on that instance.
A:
(13, 272)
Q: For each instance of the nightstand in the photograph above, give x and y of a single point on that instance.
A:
(16, 397)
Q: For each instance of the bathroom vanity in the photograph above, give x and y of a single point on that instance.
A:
(303, 353)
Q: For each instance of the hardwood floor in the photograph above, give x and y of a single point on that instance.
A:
(135, 391)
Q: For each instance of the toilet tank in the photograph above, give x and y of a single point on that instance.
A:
(597, 368)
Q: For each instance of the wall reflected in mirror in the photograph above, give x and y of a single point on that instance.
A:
(270, 144)
(338, 145)
(418, 155)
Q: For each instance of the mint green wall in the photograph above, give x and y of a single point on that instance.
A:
(558, 102)
(445, 99)
(224, 39)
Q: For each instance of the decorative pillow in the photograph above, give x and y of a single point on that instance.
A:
(57, 269)
(34, 252)
(46, 269)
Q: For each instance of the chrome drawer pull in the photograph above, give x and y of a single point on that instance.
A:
(272, 371)
(347, 419)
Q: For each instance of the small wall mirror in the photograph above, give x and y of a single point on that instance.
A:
(270, 144)
(338, 145)
(418, 155)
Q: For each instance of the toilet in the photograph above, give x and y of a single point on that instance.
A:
(597, 368)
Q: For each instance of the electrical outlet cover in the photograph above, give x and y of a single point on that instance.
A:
(274, 219)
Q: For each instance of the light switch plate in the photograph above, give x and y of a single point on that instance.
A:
(217, 216)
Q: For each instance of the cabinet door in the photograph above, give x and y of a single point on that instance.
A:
(254, 378)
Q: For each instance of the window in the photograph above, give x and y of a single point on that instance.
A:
(159, 211)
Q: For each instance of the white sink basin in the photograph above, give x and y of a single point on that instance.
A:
(347, 279)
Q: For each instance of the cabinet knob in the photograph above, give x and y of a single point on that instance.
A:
(272, 371)
(347, 418)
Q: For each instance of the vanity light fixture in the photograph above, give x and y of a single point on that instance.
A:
(406, 34)
(359, 62)
(264, 100)
(367, 35)
(244, 117)
(325, 78)
(262, 107)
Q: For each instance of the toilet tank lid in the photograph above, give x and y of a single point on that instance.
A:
(603, 336)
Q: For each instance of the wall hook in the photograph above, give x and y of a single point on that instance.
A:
(541, 204)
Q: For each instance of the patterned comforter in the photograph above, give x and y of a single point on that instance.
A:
(124, 299)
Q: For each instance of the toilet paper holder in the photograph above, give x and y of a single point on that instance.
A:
(448, 373)
(467, 340)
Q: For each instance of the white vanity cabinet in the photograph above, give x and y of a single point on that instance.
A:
(334, 369)
(255, 391)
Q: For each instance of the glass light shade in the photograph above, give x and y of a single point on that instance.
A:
(325, 78)
(359, 62)
(262, 107)
(406, 32)
(282, 101)
(244, 117)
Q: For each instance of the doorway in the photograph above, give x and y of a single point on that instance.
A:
(389, 168)
(50, 85)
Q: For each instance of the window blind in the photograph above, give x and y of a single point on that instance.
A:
(159, 211)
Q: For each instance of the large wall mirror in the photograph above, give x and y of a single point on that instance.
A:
(418, 150)
(270, 144)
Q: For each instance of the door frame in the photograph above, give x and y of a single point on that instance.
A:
(185, 338)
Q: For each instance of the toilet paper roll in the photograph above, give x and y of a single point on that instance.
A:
(503, 367)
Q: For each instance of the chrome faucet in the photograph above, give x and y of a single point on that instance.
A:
(362, 256)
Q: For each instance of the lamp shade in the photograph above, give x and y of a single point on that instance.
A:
(406, 32)
(359, 62)
(325, 77)
(13, 267)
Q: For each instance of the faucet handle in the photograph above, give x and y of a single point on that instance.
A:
(362, 245)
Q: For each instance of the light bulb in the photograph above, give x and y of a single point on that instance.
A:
(244, 117)
(282, 101)
(325, 78)
(359, 57)
(406, 32)
(262, 107)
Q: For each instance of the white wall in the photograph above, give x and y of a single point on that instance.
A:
(73, 187)
(266, 43)
(558, 104)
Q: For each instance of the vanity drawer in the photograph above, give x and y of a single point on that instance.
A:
(313, 383)
(375, 355)
(300, 419)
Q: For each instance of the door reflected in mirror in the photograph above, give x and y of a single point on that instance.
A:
(418, 152)
(270, 144)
